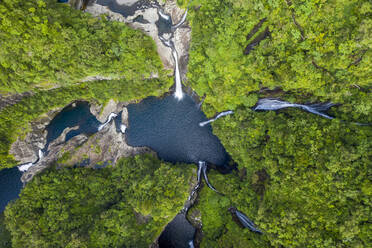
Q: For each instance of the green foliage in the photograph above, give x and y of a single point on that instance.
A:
(4, 234)
(124, 206)
(331, 62)
(45, 45)
(307, 178)
(14, 119)
(307, 182)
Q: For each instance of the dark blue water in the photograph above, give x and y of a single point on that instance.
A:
(10, 186)
(171, 128)
(77, 114)
(124, 9)
(179, 233)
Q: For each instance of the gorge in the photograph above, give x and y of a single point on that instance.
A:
(256, 162)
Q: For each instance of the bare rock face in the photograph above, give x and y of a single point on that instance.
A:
(26, 150)
(56, 149)
(11, 99)
(182, 35)
(106, 146)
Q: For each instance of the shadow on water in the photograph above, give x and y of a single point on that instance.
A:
(125, 10)
(10, 186)
(179, 233)
(171, 128)
(75, 114)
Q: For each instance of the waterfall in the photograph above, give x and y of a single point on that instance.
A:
(111, 116)
(177, 77)
(179, 24)
(41, 154)
(26, 166)
(168, 43)
(276, 104)
(123, 128)
(202, 169)
(244, 220)
(191, 244)
(229, 112)
(163, 15)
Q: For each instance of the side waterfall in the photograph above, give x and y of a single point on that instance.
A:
(229, 112)
(267, 104)
(123, 128)
(244, 220)
(25, 167)
(202, 169)
(111, 116)
(276, 104)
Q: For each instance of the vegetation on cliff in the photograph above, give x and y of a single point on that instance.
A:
(321, 49)
(303, 179)
(124, 206)
(4, 234)
(14, 119)
(45, 45)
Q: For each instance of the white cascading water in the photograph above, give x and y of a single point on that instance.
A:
(178, 93)
(183, 19)
(111, 116)
(229, 112)
(168, 42)
(27, 166)
(275, 104)
(123, 128)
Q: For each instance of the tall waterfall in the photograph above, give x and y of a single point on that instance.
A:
(177, 77)
(169, 43)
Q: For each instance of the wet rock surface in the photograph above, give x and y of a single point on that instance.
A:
(143, 15)
(83, 148)
(26, 149)
(103, 148)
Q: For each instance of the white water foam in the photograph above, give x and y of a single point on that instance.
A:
(229, 112)
(111, 116)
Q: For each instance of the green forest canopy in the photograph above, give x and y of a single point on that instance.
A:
(304, 180)
(45, 45)
(125, 206)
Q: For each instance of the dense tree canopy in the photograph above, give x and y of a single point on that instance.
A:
(45, 45)
(124, 206)
(303, 179)
(326, 55)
